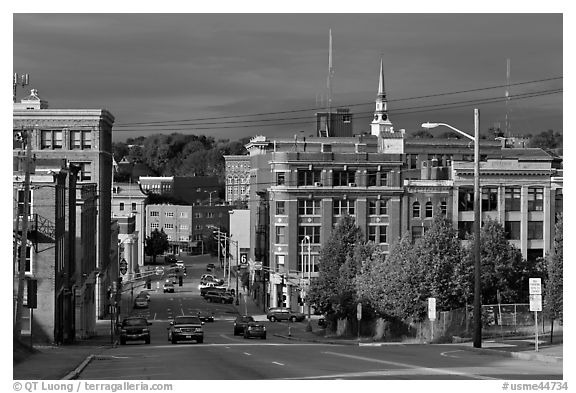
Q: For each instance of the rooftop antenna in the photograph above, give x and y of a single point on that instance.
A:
(19, 79)
(329, 84)
(507, 125)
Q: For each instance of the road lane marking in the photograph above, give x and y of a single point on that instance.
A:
(247, 354)
(445, 354)
(410, 366)
(280, 364)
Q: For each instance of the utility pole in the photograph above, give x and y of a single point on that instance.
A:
(26, 140)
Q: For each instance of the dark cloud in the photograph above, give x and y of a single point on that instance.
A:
(160, 67)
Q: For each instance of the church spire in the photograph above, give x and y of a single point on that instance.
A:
(381, 123)
(381, 87)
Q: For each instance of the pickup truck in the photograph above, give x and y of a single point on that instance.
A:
(186, 328)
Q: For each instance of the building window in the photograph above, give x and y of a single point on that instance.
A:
(416, 210)
(383, 206)
(444, 208)
(184, 238)
(313, 231)
(210, 215)
(428, 210)
(154, 225)
(382, 234)
(28, 267)
(371, 177)
(558, 203)
(343, 206)
(464, 229)
(411, 160)
(154, 214)
(46, 139)
(86, 139)
(121, 206)
(372, 233)
(80, 139)
(465, 199)
(512, 229)
(196, 227)
(308, 207)
(308, 177)
(535, 230)
(512, 198)
(535, 199)
(183, 215)
(383, 179)
(168, 226)
(489, 199)
(168, 214)
(280, 178)
(372, 207)
(198, 237)
(417, 233)
(85, 173)
(280, 208)
(280, 235)
(184, 227)
(133, 206)
(280, 263)
(169, 237)
(343, 178)
(57, 140)
(197, 215)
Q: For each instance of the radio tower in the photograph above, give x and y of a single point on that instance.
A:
(507, 125)
(329, 85)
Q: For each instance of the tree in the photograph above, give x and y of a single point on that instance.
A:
(156, 244)
(326, 292)
(553, 288)
(422, 134)
(547, 140)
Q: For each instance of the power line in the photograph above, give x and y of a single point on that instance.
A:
(397, 112)
(152, 124)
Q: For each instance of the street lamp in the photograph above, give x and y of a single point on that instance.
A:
(477, 220)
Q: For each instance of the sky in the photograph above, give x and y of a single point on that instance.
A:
(234, 75)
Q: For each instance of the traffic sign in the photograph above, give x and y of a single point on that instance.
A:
(432, 308)
(257, 265)
(123, 266)
(359, 311)
(243, 258)
(535, 286)
(159, 270)
(535, 302)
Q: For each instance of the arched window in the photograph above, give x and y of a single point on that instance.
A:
(416, 210)
(428, 209)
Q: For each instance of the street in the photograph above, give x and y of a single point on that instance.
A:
(224, 356)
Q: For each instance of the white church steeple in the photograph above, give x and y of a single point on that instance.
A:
(381, 123)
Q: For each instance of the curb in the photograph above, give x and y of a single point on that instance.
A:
(74, 374)
(317, 340)
(517, 355)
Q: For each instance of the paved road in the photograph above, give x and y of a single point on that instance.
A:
(225, 356)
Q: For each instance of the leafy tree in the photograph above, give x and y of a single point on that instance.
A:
(119, 150)
(326, 292)
(422, 134)
(546, 140)
(156, 244)
(553, 288)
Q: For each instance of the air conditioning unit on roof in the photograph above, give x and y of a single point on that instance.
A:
(351, 184)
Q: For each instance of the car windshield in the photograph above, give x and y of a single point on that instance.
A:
(135, 322)
(247, 319)
(184, 320)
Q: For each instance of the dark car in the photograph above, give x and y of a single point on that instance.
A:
(206, 316)
(240, 324)
(134, 329)
(284, 314)
(210, 267)
(168, 287)
(140, 302)
(205, 289)
(255, 329)
(219, 297)
(170, 258)
(186, 328)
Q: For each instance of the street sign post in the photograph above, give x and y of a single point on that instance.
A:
(359, 317)
(257, 265)
(159, 270)
(432, 315)
(123, 266)
(243, 259)
(535, 291)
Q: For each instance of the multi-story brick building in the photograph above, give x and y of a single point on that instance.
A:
(237, 178)
(83, 138)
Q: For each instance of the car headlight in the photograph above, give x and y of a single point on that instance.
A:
(145, 330)
(122, 330)
(177, 330)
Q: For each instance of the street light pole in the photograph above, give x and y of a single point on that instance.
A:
(309, 272)
(477, 309)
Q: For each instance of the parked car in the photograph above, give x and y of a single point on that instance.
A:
(134, 329)
(170, 258)
(219, 297)
(209, 278)
(241, 322)
(210, 267)
(186, 328)
(255, 329)
(168, 287)
(284, 314)
(206, 316)
(207, 288)
(140, 302)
